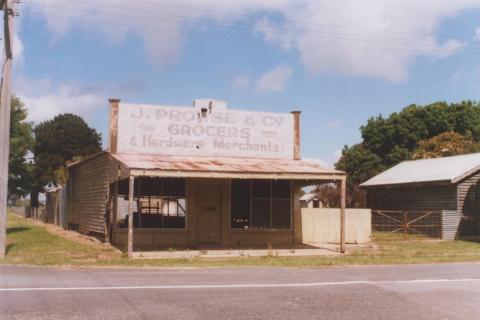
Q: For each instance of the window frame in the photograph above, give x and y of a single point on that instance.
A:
(271, 229)
(187, 210)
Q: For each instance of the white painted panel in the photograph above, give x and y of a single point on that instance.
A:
(173, 130)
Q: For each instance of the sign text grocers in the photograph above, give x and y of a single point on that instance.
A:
(171, 130)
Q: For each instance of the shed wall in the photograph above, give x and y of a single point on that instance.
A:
(413, 198)
(88, 191)
(468, 194)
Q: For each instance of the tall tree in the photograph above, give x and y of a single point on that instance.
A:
(58, 141)
(21, 142)
(388, 141)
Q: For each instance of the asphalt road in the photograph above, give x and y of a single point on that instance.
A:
(369, 292)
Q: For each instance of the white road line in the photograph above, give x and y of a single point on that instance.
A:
(240, 286)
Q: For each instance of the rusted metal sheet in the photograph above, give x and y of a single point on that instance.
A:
(232, 166)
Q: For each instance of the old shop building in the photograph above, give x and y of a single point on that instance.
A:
(201, 175)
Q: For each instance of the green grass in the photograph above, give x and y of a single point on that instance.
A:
(31, 243)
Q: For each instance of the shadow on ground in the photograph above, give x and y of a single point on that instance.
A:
(17, 229)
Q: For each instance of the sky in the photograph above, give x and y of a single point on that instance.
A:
(338, 61)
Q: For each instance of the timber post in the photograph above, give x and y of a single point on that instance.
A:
(131, 181)
(343, 196)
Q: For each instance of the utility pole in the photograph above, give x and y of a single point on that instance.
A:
(5, 101)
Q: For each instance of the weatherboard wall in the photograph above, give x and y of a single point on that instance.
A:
(88, 191)
(417, 198)
(468, 193)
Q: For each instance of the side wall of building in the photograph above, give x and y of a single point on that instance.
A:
(88, 192)
(413, 198)
(468, 195)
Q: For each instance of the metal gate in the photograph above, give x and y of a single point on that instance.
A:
(408, 222)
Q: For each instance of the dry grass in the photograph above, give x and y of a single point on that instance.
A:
(31, 242)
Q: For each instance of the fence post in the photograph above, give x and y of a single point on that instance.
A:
(405, 225)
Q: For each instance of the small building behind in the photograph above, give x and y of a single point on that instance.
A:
(310, 200)
(448, 187)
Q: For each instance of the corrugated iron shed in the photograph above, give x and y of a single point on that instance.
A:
(447, 170)
(221, 167)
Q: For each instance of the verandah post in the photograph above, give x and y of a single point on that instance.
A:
(343, 196)
(131, 181)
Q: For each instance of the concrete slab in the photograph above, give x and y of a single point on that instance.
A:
(315, 250)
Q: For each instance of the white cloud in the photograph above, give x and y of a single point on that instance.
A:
(241, 81)
(44, 99)
(327, 161)
(375, 38)
(275, 79)
(334, 124)
(324, 163)
(477, 34)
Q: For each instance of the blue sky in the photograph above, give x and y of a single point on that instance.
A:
(340, 62)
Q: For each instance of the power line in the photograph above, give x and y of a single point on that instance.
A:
(388, 33)
(407, 47)
(286, 20)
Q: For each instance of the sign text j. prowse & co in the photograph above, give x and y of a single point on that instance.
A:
(173, 130)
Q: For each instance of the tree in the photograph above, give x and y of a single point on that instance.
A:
(388, 141)
(58, 141)
(21, 142)
(445, 144)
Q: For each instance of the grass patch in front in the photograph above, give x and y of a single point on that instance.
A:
(30, 243)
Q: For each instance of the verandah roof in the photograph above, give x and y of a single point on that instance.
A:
(222, 167)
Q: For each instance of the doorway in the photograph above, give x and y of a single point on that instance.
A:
(209, 203)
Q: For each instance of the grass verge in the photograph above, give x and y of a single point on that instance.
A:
(31, 243)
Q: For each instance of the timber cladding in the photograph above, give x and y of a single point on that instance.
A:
(413, 198)
(88, 192)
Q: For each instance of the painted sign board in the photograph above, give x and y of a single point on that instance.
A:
(190, 131)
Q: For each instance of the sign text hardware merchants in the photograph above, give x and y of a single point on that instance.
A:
(173, 130)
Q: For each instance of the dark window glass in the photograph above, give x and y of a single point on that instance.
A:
(281, 217)
(173, 187)
(261, 213)
(240, 206)
(281, 189)
(261, 189)
(261, 204)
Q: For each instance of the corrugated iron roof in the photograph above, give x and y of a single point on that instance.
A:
(447, 169)
(223, 165)
(307, 197)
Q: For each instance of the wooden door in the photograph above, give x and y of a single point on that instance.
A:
(209, 203)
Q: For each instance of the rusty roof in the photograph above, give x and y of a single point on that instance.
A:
(233, 166)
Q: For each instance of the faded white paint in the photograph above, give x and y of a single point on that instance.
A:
(322, 225)
(173, 130)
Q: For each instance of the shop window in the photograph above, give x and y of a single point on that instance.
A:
(261, 204)
(162, 204)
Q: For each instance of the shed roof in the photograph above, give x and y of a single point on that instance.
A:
(222, 167)
(307, 197)
(446, 169)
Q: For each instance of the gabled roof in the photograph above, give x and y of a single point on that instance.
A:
(223, 167)
(447, 170)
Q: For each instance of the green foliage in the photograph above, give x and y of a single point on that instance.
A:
(388, 141)
(21, 141)
(445, 144)
(58, 141)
